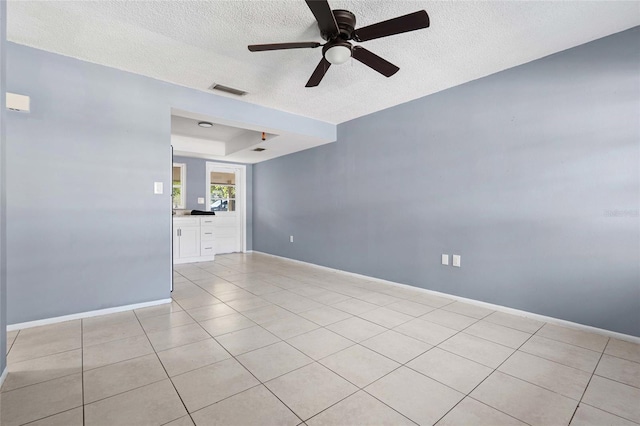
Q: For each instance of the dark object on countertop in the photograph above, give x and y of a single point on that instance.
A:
(202, 213)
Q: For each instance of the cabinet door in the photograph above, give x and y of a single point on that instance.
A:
(189, 242)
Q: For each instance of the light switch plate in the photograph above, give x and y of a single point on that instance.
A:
(445, 259)
(200, 200)
(291, 238)
(157, 187)
(456, 260)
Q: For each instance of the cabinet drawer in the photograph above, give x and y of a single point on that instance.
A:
(207, 221)
(185, 221)
(206, 233)
(207, 248)
(226, 232)
(226, 222)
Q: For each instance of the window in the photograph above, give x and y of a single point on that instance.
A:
(179, 186)
(222, 192)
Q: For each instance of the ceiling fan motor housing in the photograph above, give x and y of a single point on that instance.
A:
(346, 23)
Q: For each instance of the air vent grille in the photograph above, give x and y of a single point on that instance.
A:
(259, 149)
(227, 89)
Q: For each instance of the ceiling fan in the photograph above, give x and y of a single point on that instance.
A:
(337, 27)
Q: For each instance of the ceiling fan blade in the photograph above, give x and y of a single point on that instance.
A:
(326, 21)
(401, 24)
(318, 73)
(281, 46)
(374, 61)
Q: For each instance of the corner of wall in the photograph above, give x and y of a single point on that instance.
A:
(3, 225)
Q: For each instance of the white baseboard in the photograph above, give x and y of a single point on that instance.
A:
(500, 308)
(184, 260)
(88, 314)
(3, 375)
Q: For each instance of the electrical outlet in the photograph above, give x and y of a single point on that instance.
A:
(291, 238)
(445, 259)
(456, 260)
(200, 200)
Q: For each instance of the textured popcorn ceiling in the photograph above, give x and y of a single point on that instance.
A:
(195, 44)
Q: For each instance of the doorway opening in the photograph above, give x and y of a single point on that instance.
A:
(226, 196)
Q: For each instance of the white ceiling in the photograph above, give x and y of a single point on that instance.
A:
(226, 141)
(219, 132)
(196, 43)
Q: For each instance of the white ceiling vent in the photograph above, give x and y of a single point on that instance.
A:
(227, 89)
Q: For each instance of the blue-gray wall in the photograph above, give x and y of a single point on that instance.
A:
(85, 230)
(531, 174)
(3, 210)
(197, 187)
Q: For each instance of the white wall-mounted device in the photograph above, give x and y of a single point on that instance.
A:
(17, 102)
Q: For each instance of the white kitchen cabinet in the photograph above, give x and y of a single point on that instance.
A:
(191, 241)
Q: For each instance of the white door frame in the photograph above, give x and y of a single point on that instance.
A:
(241, 194)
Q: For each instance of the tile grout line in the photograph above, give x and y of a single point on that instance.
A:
(128, 390)
(468, 395)
(567, 343)
(534, 384)
(557, 362)
(614, 380)
(362, 389)
(165, 371)
(44, 356)
(13, 342)
(407, 362)
(225, 349)
(610, 413)
(260, 382)
(590, 378)
(57, 378)
(51, 415)
(395, 369)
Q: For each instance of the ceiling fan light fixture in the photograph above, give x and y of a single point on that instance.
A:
(338, 54)
(205, 124)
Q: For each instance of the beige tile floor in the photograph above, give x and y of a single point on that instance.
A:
(255, 340)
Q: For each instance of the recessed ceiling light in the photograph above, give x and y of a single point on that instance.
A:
(205, 124)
